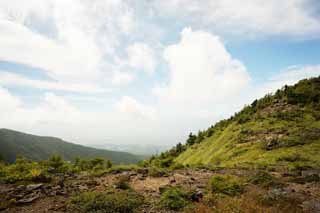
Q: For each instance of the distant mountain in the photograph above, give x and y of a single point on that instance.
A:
(13, 143)
(137, 149)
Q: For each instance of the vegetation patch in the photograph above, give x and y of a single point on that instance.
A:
(175, 198)
(264, 179)
(228, 185)
(106, 202)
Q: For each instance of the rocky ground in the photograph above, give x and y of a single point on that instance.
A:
(300, 195)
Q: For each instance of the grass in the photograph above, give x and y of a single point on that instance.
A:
(223, 148)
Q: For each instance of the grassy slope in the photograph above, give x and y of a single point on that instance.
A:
(13, 143)
(243, 144)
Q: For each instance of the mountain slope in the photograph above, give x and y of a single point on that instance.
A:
(13, 143)
(280, 130)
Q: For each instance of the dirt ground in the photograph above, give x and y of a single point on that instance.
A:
(308, 194)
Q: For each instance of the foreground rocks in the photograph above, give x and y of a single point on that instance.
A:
(54, 196)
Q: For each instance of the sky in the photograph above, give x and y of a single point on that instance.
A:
(149, 71)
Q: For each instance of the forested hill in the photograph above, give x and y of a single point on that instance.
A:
(13, 143)
(278, 130)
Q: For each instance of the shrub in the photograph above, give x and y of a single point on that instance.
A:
(174, 198)
(263, 179)
(157, 172)
(108, 202)
(165, 163)
(228, 185)
(95, 164)
(23, 169)
(56, 164)
(307, 179)
(123, 183)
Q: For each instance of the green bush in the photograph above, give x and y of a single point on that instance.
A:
(23, 170)
(57, 165)
(94, 164)
(123, 183)
(157, 172)
(174, 198)
(106, 202)
(228, 185)
(263, 179)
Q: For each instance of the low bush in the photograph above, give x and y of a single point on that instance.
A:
(106, 202)
(157, 172)
(228, 185)
(123, 183)
(174, 198)
(264, 179)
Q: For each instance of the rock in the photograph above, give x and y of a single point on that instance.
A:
(133, 174)
(33, 187)
(291, 174)
(271, 144)
(21, 187)
(83, 187)
(312, 206)
(29, 199)
(142, 177)
(310, 173)
(197, 196)
(173, 181)
(143, 171)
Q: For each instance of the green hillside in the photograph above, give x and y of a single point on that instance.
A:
(13, 143)
(281, 130)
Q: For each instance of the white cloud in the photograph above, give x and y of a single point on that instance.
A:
(122, 78)
(131, 106)
(201, 70)
(272, 17)
(9, 79)
(7, 101)
(289, 76)
(141, 56)
(70, 39)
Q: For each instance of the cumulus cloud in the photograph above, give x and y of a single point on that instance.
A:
(141, 56)
(8, 101)
(272, 17)
(131, 106)
(12, 79)
(201, 70)
(122, 78)
(69, 39)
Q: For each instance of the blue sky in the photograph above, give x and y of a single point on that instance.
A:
(147, 71)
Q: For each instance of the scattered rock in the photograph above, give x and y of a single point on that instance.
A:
(32, 187)
(310, 172)
(30, 198)
(197, 196)
(173, 181)
(143, 171)
(312, 206)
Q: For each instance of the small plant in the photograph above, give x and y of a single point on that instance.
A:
(307, 179)
(228, 185)
(108, 202)
(157, 172)
(174, 198)
(123, 183)
(264, 179)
